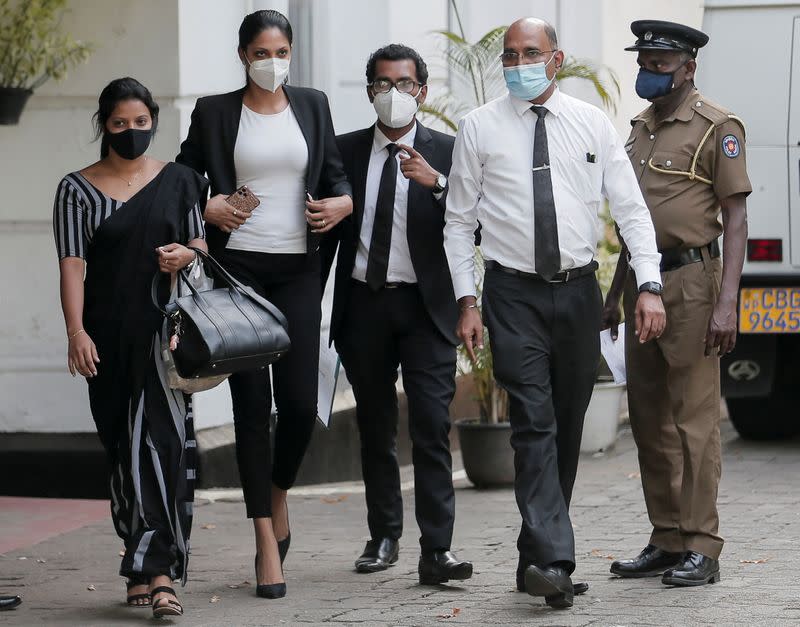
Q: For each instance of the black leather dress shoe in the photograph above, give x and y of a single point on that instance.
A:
(651, 562)
(442, 566)
(578, 587)
(9, 602)
(552, 583)
(695, 570)
(378, 555)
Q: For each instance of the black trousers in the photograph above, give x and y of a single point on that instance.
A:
(382, 330)
(291, 282)
(546, 348)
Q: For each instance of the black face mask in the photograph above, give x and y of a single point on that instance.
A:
(130, 143)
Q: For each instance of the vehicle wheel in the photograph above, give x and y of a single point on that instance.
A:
(767, 418)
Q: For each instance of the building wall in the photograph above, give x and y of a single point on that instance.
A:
(182, 49)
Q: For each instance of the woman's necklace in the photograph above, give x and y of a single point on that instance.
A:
(135, 176)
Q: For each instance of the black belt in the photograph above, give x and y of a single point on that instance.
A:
(674, 258)
(561, 277)
(388, 285)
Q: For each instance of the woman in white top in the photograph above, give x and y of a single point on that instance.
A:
(279, 142)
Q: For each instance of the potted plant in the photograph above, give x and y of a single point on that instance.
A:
(476, 74)
(484, 440)
(32, 50)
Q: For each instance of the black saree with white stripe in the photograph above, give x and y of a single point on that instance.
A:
(146, 427)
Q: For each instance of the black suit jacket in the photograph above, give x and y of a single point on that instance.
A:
(425, 228)
(208, 149)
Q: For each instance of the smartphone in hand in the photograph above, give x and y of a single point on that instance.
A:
(243, 199)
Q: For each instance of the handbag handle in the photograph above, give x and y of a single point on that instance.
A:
(223, 275)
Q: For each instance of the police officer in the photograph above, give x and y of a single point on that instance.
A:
(689, 157)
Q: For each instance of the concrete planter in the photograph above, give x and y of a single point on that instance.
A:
(12, 102)
(486, 451)
(602, 418)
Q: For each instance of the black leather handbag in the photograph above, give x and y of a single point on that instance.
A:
(225, 330)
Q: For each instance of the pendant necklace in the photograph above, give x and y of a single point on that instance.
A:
(135, 176)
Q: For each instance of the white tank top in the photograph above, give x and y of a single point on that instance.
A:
(271, 158)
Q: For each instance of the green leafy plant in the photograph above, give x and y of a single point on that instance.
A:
(477, 77)
(477, 74)
(491, 398)
(32, 48)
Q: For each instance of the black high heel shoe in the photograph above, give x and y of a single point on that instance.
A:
(283, 546)
(269, 590)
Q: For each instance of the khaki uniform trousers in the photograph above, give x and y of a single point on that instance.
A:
(674, 404)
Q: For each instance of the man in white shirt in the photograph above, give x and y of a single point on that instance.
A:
(394, 305)
(532, 168)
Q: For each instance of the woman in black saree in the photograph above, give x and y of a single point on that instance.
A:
(121, 220)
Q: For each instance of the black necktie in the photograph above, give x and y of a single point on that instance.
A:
(545, 229)
(381, 242)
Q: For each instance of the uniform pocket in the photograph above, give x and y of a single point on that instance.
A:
(671, 168)
(697, 289)
(671, 161)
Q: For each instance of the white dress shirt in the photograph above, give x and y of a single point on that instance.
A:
(491, 182)
(400, 269)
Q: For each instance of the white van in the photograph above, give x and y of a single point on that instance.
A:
(752, 66)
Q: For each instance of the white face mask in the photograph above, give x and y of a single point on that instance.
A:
(269, 74)
(394, 108)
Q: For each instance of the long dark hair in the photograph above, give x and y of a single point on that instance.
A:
(258, 21)
(115, 92)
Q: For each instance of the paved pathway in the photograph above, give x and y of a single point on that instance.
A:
(67, 580)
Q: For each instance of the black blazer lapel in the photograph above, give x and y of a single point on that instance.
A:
(229, 130)
(418, 196)
(362, 152)
(304, 120)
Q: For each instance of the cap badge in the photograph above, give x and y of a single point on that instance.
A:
(648, 36)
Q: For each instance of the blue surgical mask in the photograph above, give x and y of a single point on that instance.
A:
(528, 82)
(650, 85)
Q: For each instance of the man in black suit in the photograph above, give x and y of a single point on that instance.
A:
(394, 305)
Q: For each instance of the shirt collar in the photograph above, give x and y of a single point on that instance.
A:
(380, 141)
(553, 104)
(684, 112)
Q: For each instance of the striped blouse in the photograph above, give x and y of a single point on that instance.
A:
(80, 208)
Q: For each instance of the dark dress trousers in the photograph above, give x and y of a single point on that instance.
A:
(412, 326)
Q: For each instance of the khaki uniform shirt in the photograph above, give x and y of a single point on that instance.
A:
(685, 165)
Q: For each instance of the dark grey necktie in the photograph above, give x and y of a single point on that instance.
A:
(381, 240)
(545, 228)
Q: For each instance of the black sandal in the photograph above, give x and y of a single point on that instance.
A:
(133, 598)
(164, 606)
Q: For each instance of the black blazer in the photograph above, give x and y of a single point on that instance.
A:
(208, 149)
(425, 228)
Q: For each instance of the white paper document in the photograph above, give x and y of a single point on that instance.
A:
(614, 353)
(328, 376)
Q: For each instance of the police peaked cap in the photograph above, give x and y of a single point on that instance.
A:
(659, 35)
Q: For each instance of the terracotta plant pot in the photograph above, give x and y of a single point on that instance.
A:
(486, 451)
(12, 102)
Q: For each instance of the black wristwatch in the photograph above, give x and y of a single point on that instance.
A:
(441, 183)
(653, 287)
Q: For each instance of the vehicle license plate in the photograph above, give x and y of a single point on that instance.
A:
(769, 310)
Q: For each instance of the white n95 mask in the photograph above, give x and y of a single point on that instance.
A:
(394, 108)
(269, 74)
